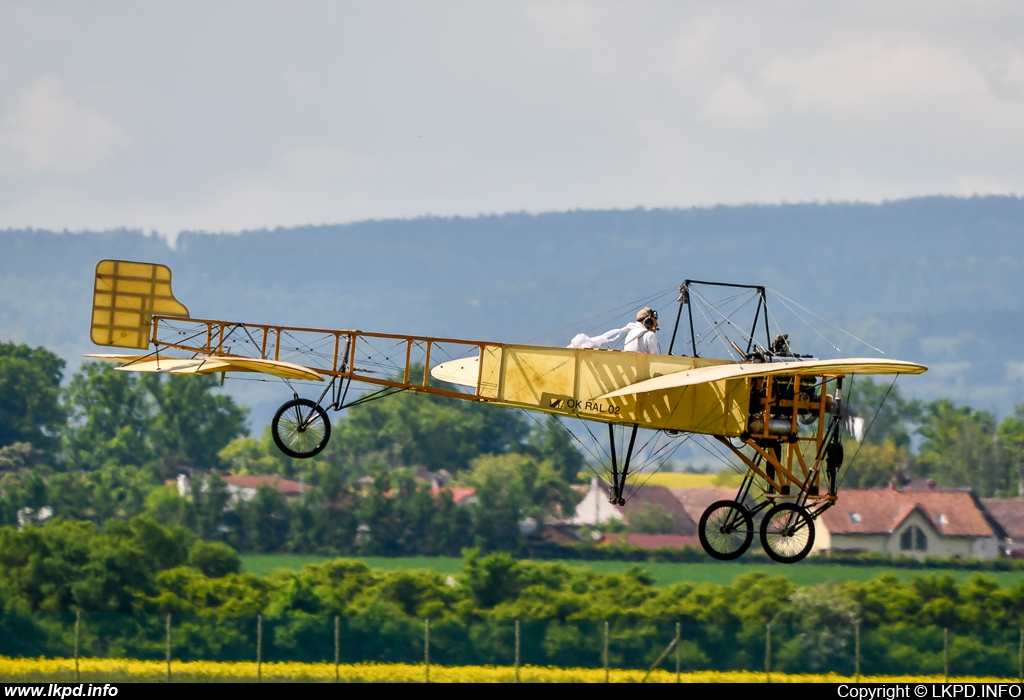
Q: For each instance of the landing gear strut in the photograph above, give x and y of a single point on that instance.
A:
(619, 478)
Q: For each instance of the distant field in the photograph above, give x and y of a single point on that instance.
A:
(682, 480)
(804, 573)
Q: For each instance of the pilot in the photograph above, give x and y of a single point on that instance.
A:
(640, 336)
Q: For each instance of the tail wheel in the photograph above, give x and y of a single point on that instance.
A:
(301, 428)
(787, 533)
(725, 530)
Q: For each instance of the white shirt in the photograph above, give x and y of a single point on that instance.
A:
(639, 339)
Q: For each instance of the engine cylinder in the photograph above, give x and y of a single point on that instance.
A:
(776, 426)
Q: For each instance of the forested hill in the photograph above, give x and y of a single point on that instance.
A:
(935, 279)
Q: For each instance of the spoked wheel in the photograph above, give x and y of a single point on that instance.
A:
(301, 428)
(787, 533)
(725, 530)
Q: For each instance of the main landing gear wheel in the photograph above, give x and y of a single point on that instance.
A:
(787, 533)
(725, 530)
(301, 428)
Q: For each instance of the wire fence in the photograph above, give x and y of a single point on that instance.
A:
(621, 643)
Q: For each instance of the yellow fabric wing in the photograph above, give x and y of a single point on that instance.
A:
(833, 368)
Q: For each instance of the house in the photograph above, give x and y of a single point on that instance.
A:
(933, 522)
(461, 495)
(243, 488)
(595, 509)
(1008, 513)
(697, 499)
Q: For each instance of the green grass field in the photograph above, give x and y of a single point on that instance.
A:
(804, 573)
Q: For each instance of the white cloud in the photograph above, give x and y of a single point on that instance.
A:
(732, 105)
(329, 111)
(47, 130)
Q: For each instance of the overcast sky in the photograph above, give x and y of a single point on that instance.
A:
(225, 116)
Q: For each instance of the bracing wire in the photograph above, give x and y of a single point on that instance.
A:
(806, 323)
(751, 296)
(610, 312)
(867, 429)
(825, 320)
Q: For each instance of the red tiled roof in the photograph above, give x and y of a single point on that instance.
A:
(696, 500)
(284, 486)
(459, 493)
(882, 511)
(648, 495)
(1009, 513)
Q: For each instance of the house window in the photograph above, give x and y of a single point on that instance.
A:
(913, 538)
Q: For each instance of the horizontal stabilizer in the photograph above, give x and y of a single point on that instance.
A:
(804, 368)
(206, 364)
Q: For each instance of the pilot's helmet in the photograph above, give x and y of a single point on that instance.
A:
(647, 316)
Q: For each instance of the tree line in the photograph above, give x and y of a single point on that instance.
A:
(126, 577)
(953, 445)
(103, 447)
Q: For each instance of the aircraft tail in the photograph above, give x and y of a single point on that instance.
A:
(126, 296)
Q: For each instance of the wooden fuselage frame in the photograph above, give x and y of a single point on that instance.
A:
(783, 457)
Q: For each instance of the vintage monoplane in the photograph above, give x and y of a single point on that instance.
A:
(779, 414)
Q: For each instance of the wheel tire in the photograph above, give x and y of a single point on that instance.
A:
(725, 530)
(301, 428)
(787, 533)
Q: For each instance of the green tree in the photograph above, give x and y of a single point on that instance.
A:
(422, 430)
(118, 418)
(550, 441)
(192, 423)
(1011, 438)
(265, 519)
(510, 489)
(110, 416)
(890, 417)
(651, 519)
(873, 465)
(961, 448)
(401, 516)
(30, 386)
(214, 559)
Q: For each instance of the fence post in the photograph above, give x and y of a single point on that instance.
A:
(259, 648)
(517, 651)
(768, 653)
(78, 631)
(168, 647)
(679, 632)
(945, 652)
(673, 644)
(426, 649)
(606, 651)
(856, 650)
(337, 647)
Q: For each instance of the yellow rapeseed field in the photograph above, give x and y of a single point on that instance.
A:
(126, 670)
(686, 480)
